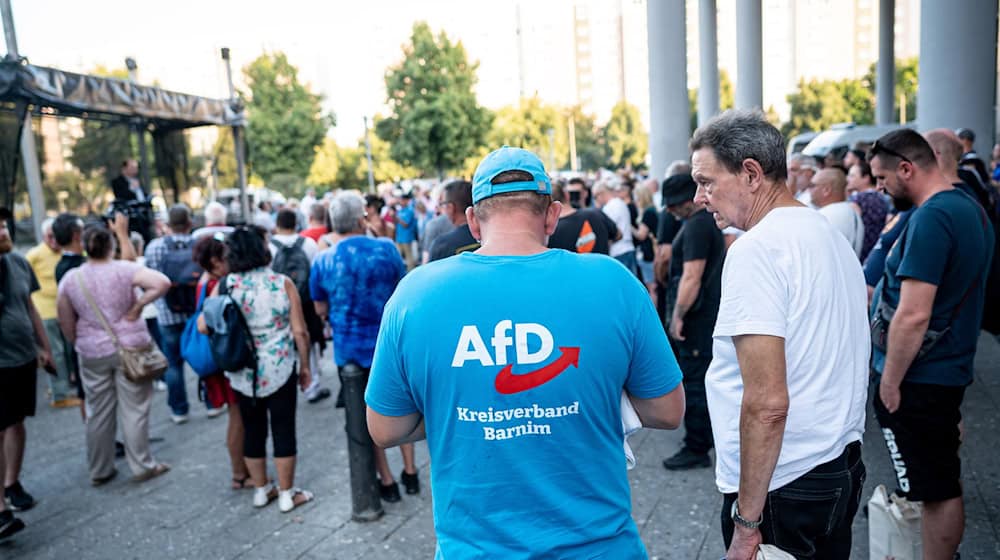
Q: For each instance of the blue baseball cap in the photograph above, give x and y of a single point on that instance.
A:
(509, 159)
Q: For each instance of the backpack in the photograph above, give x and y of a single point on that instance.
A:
(987, 198)
(229, 336)
(291, 260)
(179, 266)
(196, 348)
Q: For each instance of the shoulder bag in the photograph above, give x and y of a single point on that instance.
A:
(142, 364)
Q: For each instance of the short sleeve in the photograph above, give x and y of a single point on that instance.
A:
(668, 228)
(388, 392)
(32, 279)
(316, 290)
(611, 225)
(754, 293)
(696, 233)
(926, 243)
(653, 371)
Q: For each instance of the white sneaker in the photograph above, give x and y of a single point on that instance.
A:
(159, 385)
(286, 498)
(179, 418)
(213, 412)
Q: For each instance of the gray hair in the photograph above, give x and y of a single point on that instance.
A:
(346, 209)
(215, 213)
(678, 167)
(47, 226)
(608, 183)
(807, 162)
(737, 135)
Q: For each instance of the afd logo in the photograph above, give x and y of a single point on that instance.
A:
(471, 346)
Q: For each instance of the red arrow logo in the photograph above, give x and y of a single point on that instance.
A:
(507, 383)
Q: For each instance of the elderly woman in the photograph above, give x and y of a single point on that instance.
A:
(352, 282)
(109, 285)
(210, 253)
(271, 308)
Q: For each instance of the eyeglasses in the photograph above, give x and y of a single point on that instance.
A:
(881, 149)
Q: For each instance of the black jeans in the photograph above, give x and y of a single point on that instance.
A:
(810, 517)
(697, 424)
(279, 408)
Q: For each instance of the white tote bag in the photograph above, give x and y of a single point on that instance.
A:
(893, 527)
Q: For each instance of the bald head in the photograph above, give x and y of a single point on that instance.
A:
(829, 186)
(947, 148)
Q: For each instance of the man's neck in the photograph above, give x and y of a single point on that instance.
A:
(567, 210)
(280, 231)
(929, 185)
(513, 237)
(776, 197)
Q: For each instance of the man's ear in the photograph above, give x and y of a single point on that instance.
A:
(754, 172)
(474, 226)
(552, 217)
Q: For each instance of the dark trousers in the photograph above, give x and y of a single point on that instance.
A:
(697, 424)
(810, 517)
(279, 407)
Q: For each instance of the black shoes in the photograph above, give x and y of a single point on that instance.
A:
(9, 525)
(389, 493)
(119, 450)
(17, 498)
(411, 482)
(686, 459)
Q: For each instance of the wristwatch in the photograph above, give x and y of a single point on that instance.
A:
(735, 514)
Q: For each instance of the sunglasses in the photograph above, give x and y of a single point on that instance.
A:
(881, 149)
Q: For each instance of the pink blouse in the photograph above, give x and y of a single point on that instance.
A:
(110, 285)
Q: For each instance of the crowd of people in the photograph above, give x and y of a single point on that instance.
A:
(755, 299)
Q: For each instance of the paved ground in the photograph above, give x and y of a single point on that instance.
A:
(190, 513)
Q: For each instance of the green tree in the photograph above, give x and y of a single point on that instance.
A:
(625, 138)
(527, 126)
(906, 86)
(285, 119)
(821, 103)
(726, 98)
(325, 165)
(590, 147)
(99, 153)
(435, 122)
(224, 160)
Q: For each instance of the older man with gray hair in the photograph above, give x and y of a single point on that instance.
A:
(607, 197)
(829, 196)
(350, 284)
(801, 169)
(215, 221)
(788, 381)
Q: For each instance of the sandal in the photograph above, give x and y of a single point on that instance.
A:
(293, 498)
(152, 473)
(242, 483)
(264, 495)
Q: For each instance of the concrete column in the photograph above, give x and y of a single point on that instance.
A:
(708, 91)
(749, 55)
(885, 69)
(669, 117)
(958, 68)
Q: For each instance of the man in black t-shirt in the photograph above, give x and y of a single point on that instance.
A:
(457, 198)
(694, 289)
(585, 230)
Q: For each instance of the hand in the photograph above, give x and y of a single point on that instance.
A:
(305, 378)
(45, 361)
(120, 224)
(744, 545)
(133, 313)
(676, 328)
(890, 395)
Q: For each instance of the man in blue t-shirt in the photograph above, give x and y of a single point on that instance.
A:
(406, 229)
(931, 301)
(352, 280)
(518, 394)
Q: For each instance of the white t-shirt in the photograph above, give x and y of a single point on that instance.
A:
(805, 197)
(309, 247)
(847, 221)
(617, 210)
(791, 277)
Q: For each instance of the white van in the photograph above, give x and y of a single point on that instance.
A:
(845, 136)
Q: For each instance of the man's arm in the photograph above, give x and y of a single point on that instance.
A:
(906, 335)
(45, 358)
(762, 422)
(390, 431)
(662, 413)
(687, 294)
(67, 318)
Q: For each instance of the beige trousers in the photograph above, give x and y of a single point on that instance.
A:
(109, 392)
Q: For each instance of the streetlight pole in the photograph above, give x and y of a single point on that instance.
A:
(140, 131)
(238, 143)
(368, 153)
(29, 156)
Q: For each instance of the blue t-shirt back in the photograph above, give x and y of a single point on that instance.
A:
(521, 396)
(355, 279)
(407, 233)
(944, 243)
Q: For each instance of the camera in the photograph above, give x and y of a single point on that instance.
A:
(139, 214)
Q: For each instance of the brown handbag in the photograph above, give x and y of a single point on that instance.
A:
(141, 364)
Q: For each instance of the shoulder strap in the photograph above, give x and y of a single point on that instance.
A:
(278, 246)
(97, 311)
(298, 242)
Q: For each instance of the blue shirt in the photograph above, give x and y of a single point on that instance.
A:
(947, 242)
(875, 262)
(356, 278)
(520, 390)
(408, 233)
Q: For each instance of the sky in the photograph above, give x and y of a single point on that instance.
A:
(342, 48)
